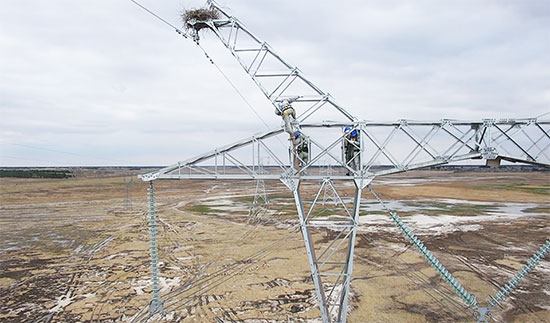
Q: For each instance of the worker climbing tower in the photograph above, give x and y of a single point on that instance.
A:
(401, 145)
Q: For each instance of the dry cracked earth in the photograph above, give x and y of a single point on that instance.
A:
(77, 250)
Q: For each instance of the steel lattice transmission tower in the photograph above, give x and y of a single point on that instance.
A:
(260, 203)
(402, 145)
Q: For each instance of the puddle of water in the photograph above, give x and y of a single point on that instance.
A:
(444, 223)
(448, 212)
(416, 181)
(449, 205)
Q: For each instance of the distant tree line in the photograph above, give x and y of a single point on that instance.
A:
(35, 173)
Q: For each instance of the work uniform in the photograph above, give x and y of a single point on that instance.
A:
(351, 148)
(289, 117)
(302, 149)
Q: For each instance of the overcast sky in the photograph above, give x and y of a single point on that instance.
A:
(104, 83)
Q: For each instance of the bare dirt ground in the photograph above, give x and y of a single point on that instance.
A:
(78, 250)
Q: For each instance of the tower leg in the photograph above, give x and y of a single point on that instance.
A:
(334, 261)
(342, 311)
(323, 306)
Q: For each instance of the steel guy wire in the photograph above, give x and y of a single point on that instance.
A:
(211, 61)
(160, 18)
(236, 90)
(233, 85)
(207, 56)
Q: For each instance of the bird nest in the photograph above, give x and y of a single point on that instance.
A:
(197, 18)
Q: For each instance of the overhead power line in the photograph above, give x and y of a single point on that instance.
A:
(160, 18)
(211, 61)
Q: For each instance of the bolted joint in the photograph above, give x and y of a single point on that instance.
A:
(489, 122)
(489, 153)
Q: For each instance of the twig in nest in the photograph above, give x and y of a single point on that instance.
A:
(196, 18)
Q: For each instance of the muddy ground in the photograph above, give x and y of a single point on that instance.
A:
(78, 250)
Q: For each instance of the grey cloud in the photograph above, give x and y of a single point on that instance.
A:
(110, 74)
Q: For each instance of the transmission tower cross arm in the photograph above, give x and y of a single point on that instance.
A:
(276, 78)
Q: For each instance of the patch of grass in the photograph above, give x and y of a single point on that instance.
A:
(456, 209)
(250, 199)
(245, 199)
(361, 213)
(285, 215)
(543, 189)
(321, 212)
(470, 209)
(282, 196)
(35, 173)
(200, 208)
(537, 210)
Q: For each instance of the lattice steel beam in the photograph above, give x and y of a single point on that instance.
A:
(403, 145)
(397, 146)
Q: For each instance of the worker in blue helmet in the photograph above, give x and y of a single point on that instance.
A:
(351, 147)
(287, 112)
(301, 146)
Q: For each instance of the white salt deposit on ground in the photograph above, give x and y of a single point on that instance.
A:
(62, 301)
(166, 284)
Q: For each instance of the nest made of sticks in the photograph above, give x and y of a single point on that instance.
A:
(197, 18)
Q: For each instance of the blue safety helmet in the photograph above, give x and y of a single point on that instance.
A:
(348, 128)
(284, 104)
(354, 133)
(296, 134)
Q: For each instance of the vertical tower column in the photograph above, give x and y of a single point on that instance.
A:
(344, 295)
(295, 187)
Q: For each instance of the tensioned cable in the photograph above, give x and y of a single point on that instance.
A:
(209, 58)
(237, 90)
(542, 115)
(233, 86)
(160, 18)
